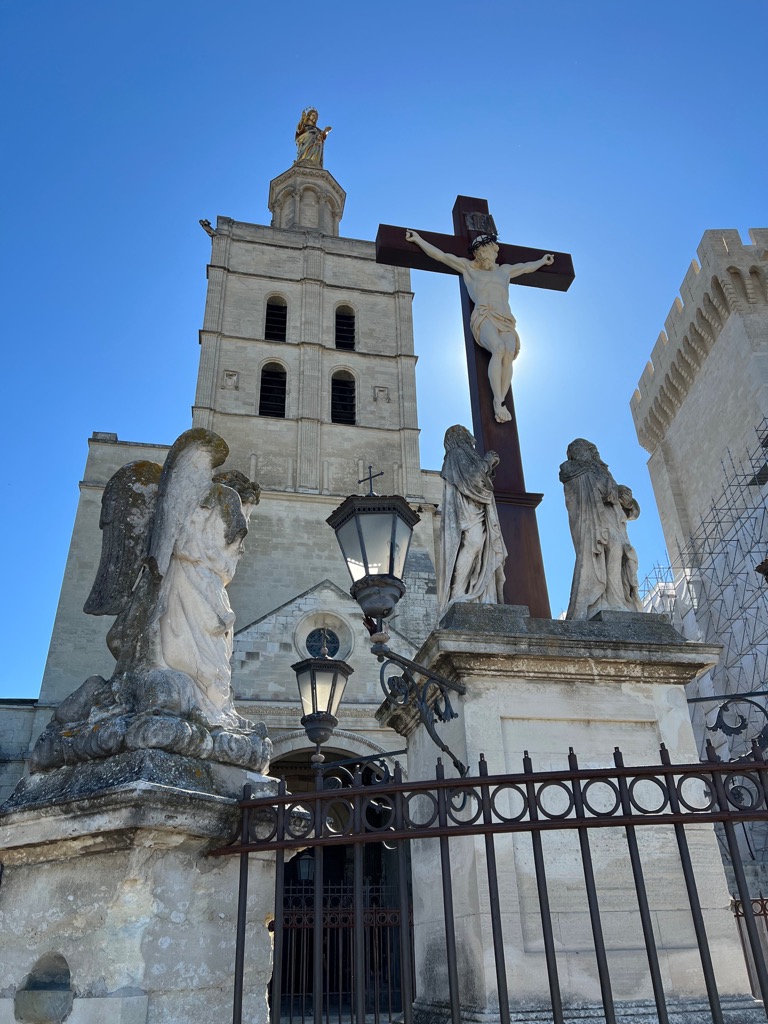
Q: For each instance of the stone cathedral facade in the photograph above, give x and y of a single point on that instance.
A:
(307, 369)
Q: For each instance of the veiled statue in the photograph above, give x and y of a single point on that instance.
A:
(171, 540)
(472, 548)
(310, 140)
(605, 576)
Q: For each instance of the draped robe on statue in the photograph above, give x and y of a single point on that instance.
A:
(605, 575)
(471, 534)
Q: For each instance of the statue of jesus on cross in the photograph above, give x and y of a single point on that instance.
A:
(492, 324)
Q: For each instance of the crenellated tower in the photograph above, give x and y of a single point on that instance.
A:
(705, 387)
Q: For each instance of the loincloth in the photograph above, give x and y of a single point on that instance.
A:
(504, 324)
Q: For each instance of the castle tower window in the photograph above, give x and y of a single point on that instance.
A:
(272, 391)
(276, 319)
(342, 397)
(345, 328)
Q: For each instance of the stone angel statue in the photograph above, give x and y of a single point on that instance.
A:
(171, 541)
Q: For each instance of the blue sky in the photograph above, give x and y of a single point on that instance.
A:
(618, 132)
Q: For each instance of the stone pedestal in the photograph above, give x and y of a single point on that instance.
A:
(543, 686)
(109, 904)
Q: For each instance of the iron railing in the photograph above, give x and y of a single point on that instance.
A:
(626, 799)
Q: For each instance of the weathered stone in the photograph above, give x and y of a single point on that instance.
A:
(106, 864)
(541, 686)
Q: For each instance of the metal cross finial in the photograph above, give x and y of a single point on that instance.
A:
(369, 480)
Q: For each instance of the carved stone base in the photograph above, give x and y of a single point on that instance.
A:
(105, 869)
(148, 711)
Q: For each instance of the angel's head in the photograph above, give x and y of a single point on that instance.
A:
(249, 490)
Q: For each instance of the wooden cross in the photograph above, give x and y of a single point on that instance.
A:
(526, 583)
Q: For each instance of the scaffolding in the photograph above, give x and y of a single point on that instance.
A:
(712, 593)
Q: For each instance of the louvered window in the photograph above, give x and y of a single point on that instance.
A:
(345, 328)
(342, 398)
(276, 320)
(272, 392)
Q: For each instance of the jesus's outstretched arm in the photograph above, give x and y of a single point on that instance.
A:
(454, 262)
(518, 269)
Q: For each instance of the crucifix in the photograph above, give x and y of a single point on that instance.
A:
(369, 479)
(493, 415)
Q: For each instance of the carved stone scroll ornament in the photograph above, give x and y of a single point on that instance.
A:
(605, 576)
(171, 540)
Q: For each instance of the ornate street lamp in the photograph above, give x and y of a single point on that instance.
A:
(374, 533)
(321, 686)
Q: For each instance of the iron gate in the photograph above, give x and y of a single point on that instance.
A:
(381, 978)
(628, 800)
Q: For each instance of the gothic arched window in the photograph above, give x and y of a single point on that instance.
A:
(345, 328)
(276, 319)
(272, 391)
(342, 397)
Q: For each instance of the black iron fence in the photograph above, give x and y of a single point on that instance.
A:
(627, 800)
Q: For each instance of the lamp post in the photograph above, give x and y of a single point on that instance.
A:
(321, 684)
(374, 533)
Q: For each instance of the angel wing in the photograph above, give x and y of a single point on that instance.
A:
(184, 485)
(127, 510)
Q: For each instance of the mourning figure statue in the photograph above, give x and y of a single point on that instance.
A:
(171, 540)
(472, 548)
(605, 576)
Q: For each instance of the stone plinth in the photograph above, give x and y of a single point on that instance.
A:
(105, 872)
(544, 686)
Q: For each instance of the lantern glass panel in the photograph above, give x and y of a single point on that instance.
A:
(325, 683)
(304, 679)
(377, 534)
(349, 541)
(403, 534)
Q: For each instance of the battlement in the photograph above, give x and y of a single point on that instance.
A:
(729, 276)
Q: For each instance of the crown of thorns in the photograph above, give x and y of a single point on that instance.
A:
(480, 241)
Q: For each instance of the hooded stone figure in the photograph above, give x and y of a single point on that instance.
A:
(605, 576)
(472, 549)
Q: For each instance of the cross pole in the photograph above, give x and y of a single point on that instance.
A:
(526, 583)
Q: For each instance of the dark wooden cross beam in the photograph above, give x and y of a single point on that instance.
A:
(526, 583)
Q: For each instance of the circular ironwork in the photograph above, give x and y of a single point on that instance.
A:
(299, 821)
(744, 790)
(635, 801)
(519, 792)
(706, 788)
(456, 805)
(373, 806)
(421, 821)
(314, 643)
(262, 824)
(555, 785)
(615, 793)
(339, 817)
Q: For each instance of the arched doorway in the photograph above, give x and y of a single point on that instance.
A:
(382, 969)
